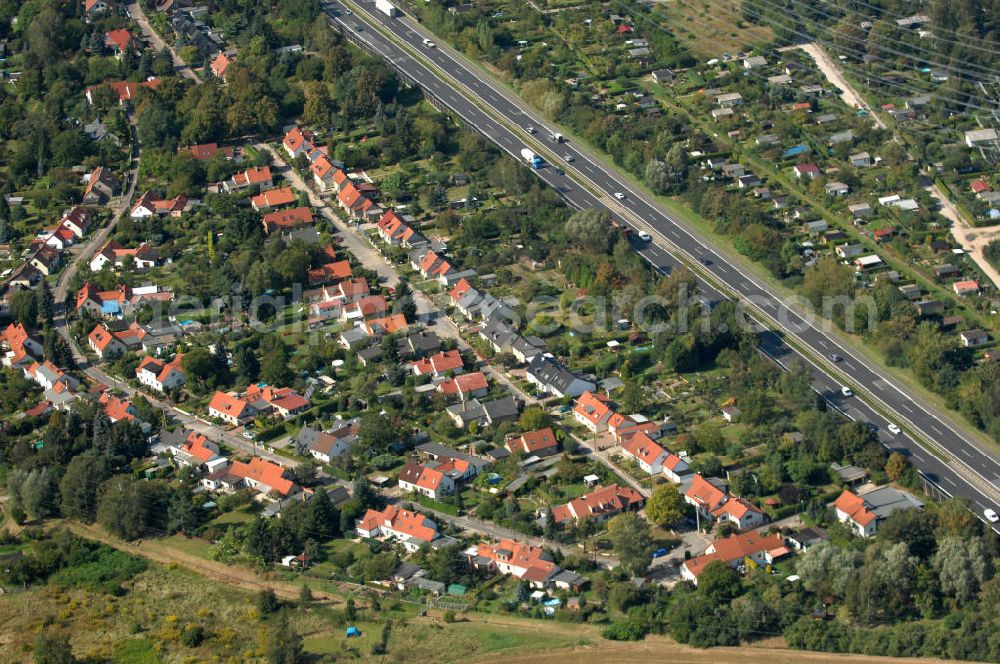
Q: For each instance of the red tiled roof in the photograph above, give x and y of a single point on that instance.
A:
(704, 493)
(606, 500)
(228, 404)
(643, 447)
(446, 360)
(592, 406)
(386, 325)
(401, 521)
(734, 548)
(854, 506)
(532, 558)
(460, 289)
(285, 219)
(221, 64)
(264, 472)
(464, 383)
(296, 138)
(253, 176)
(274, 198)
(533, 442)
(120, 39)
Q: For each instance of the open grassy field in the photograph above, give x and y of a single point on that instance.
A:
(710, 28)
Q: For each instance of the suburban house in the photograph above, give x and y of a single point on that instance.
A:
(465, 386)
(284, 221)
(231, 409)
(706, 495)
(126, 91)
(48, 376)
(297, 142)
(551, 377)
(273, 198)
(262, 475)
(966, 288)
(282, 402)
(593, 410)
(377, 327)
(102, 186)
(810, 171)
(431, 265)
(486, 414)
(740, 512)
(121, 40)
(736, 550)
(160, 375)
(108, 344)
(539, 443)
(395, 231)
(646, 452)
(206, 151)
(459, 465)
(150, 206)
(601, 504)
(220, 65)
(510, 558)
(412, 530)
(77, 220)
(326, 445)
(675, 468)
(252, 177)
(93, 9)
(428, 480)
(326, 175)
(863, 512)
(142, 257)
(18, 346)
(438, 364)
(192, 449)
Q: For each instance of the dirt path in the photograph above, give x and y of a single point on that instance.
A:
(971, 238)
(233, 575)
(835, 77)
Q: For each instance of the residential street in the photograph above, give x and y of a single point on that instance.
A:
(137, 13)
(358, 246)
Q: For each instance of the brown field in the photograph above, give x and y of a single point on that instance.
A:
(712, 27)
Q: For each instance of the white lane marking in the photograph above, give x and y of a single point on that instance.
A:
(918, 457)
(965, 452)
(949, 481)
(936, 430)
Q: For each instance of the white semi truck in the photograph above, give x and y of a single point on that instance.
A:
(386, 8)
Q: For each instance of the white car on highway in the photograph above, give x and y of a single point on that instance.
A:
(846, 391)
(894, 428)
(991, 515)
(619, 195)
(644, 236)
(429, 44)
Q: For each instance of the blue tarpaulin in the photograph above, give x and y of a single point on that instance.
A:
(352, 631)
(796, 150)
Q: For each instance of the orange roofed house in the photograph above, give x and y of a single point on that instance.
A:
(283, 221)
(159, 375)
(862, 513)
(412, 530)
(540, 442)
(439, 363)
(126, 91)
(748, 548)
(252, 177)
(646, 452)
(283, 402)
(231, 409)
(427, 480)
(18, 346)
(273, 198)
(259, 474)
(593, 411)
(523, 561)
(601, 504)
(107, 343)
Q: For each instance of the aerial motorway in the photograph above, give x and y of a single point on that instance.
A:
(948, 457)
